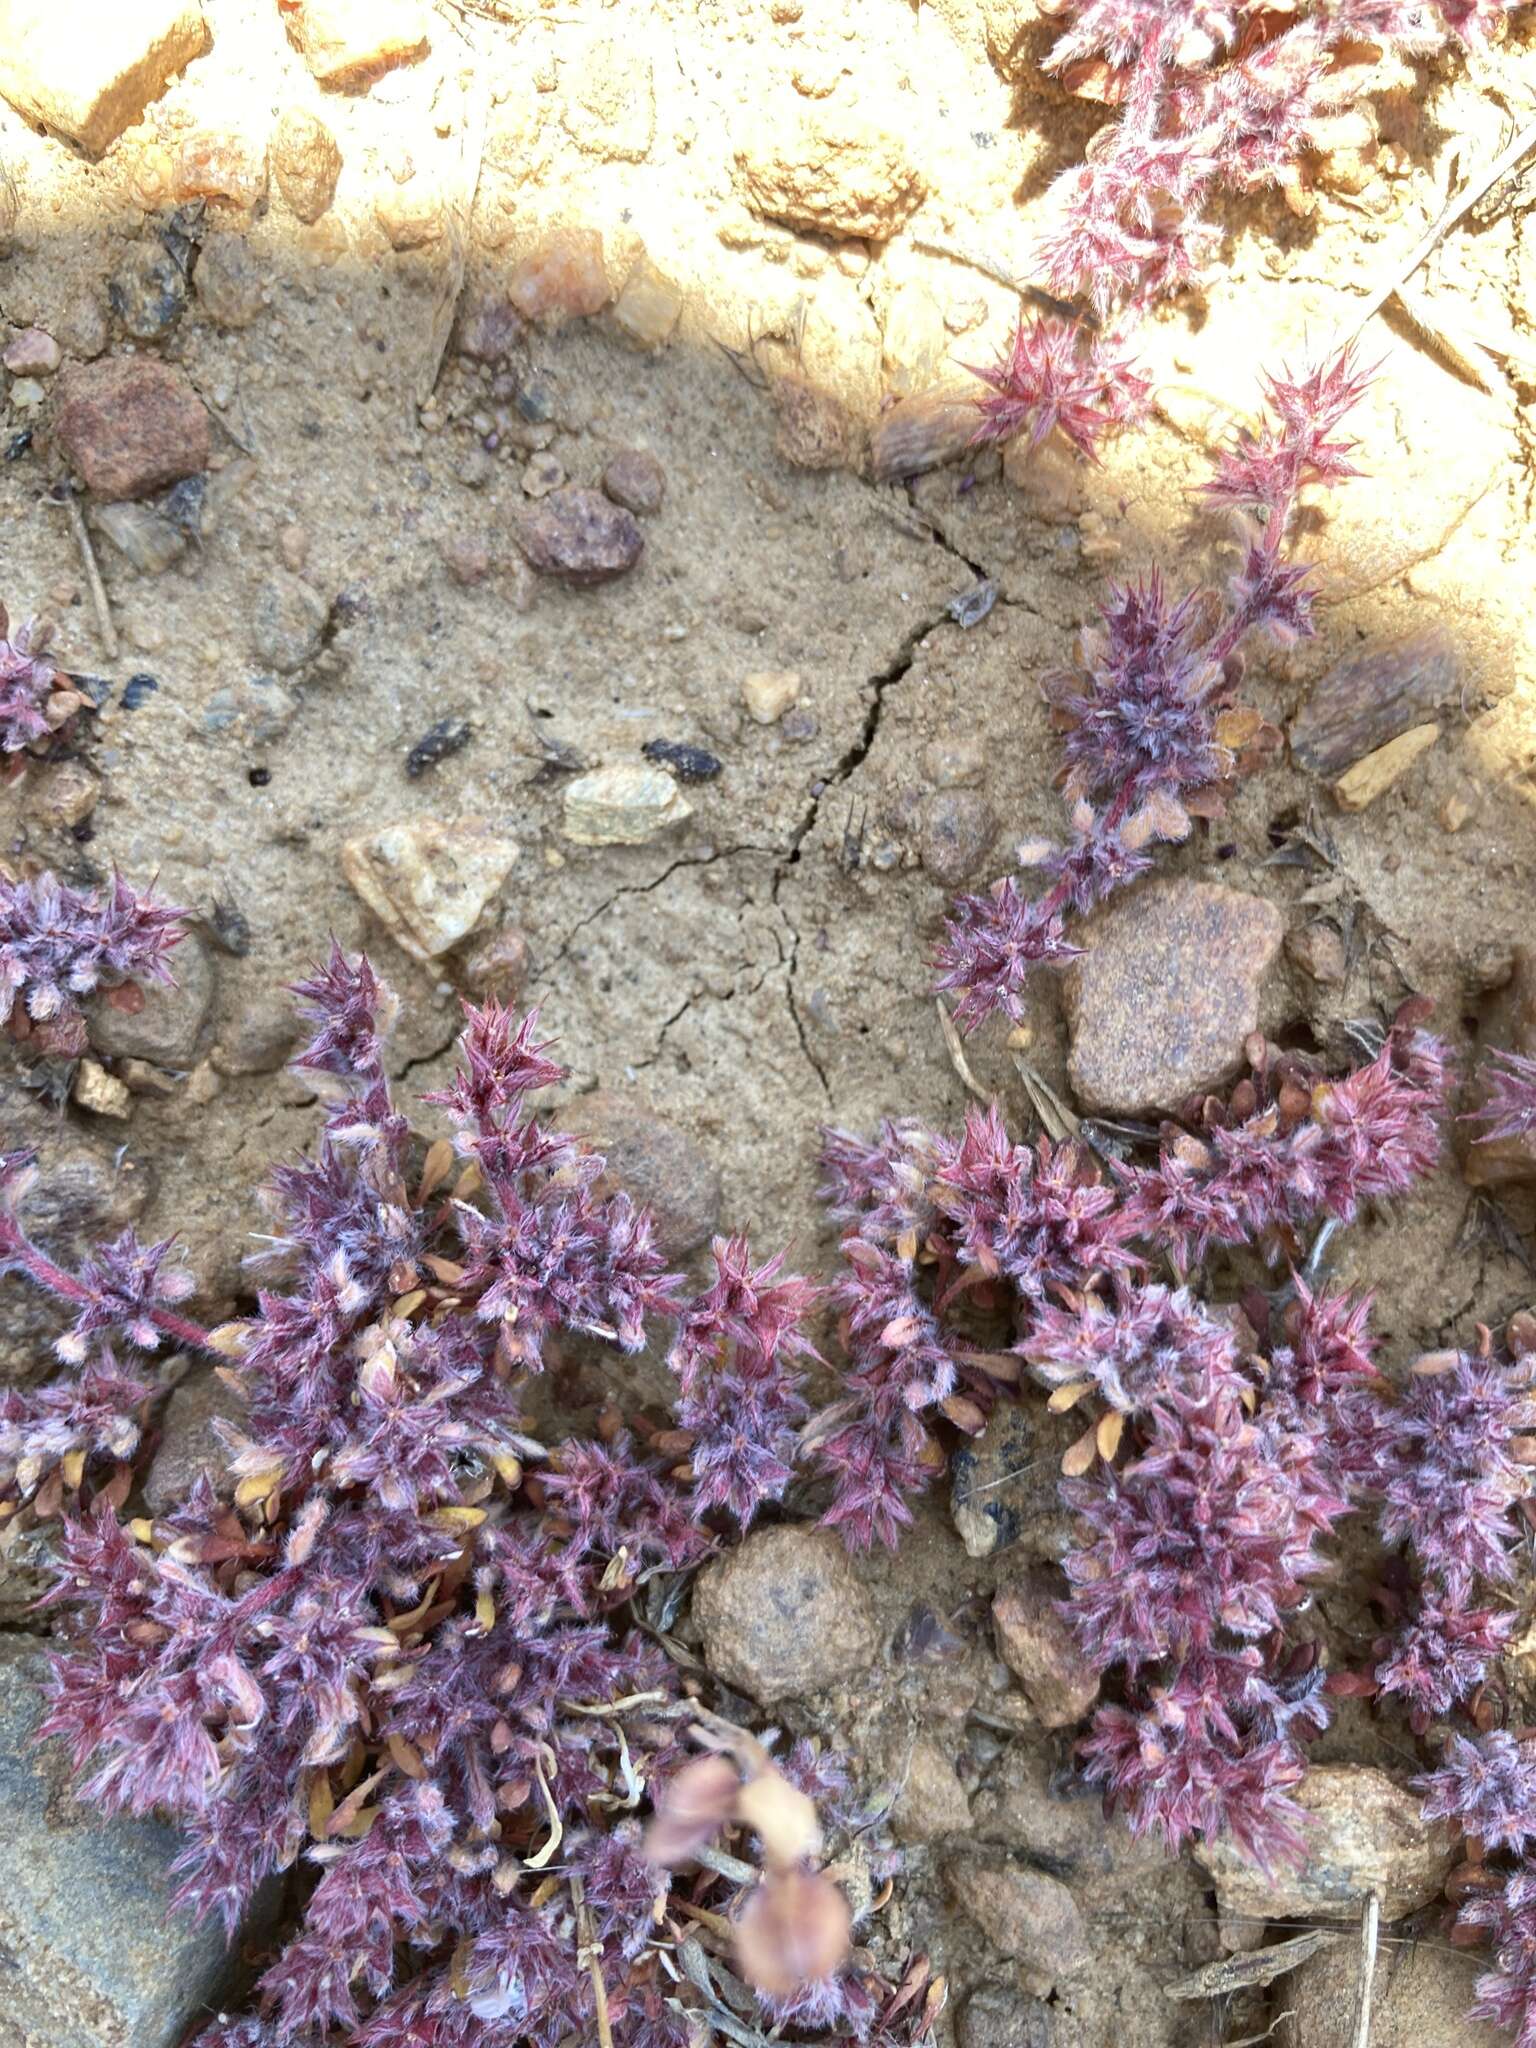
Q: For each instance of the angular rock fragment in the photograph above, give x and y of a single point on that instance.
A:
(1373, 696)
(130, 425)
(828, 166)
(1363, 1834)
(1377, 772)
(305, 162)
(88, 71)
(94, 1953)
(348, 44)
(428, 883)
(622, 806)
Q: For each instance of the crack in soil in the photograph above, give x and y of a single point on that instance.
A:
(643, 889)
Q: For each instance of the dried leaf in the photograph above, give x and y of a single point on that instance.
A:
(1078, 1458)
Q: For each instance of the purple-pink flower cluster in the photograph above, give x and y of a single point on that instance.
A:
(60, 946)
(1153, 731)
(396, 1646)
(1485, 1786)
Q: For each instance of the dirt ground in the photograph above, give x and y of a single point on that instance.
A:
(763, 970)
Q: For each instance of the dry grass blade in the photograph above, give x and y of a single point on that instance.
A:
(1370, 1926)
(956, 1049)
(1460, 206)
(1059, 1121)
(1249, 1972)
(1449, 339)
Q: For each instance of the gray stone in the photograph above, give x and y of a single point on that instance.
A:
(996, 2017)
(635, 479)
(1030, 1917)
(94, 1955)
(1419, 1999)
(140, 534)
(228, 280)
(83, 1192)
(190, 1446)
(958, 829)
(259, 710)
(168, 1030)
(784, 1615)
(1166, 992)
(148, 292)
(288, 623)
(257, 1037)
(657, 1165)
(1365, 1835)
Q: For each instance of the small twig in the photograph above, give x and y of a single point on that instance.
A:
(1060, 1122)
(1460, 206)
(591, 1954)
(106, 631)
(956, 1049)
(1370, 1927)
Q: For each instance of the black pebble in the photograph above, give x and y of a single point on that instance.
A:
(688, 764)
(139, 689)
(447, 737)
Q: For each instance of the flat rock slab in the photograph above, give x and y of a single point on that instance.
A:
(1166, 992)
(94, 1956)
(88, 71)
(1365, 1835)
(1373, 697)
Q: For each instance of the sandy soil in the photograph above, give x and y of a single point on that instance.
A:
(762, 971)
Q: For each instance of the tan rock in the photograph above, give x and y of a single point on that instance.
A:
(348, 44)
(564, 278)
(1376, 774)
(1420, 1997)
(622, 806)
(411, 215)
(1036, 1642)
(932, 1801)
(829, 166)
(101, 1092)
(649, 307)
(1030, 1917)
(306, 162)
(88, 71)
(1166, 992)
(1365, 1835)
(429, 883)
(783, 1615)
(768, 693)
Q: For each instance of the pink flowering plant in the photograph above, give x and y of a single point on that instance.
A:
(59, 946)
(408, 1654)
(1153, 729)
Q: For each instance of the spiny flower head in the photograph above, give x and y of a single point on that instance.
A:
(1151, 1348)
(59, 945)
(33, 704)
(1486, 1784)
(1055, 375)
(1508, 1107)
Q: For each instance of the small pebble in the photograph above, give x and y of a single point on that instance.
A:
(100, 1092)
(293, 546)
(32, 353)
(467, 558)
(148, 292)
(958, 829)
(950, 763)
(305, 162)
(563, 279)
(622, 806)
(973, 605)
(498, 966)
(439, 743)
(635, 479)
(578, 535)
(219, 165)
(228, 281)
(542, 475)
(688, 763)
(768, 694)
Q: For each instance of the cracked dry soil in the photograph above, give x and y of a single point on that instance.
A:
(763, 970)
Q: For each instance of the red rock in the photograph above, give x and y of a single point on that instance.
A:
(130, 425)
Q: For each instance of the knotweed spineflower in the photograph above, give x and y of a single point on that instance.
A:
(60, 945)
(403, 1653)
(1154, 734)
